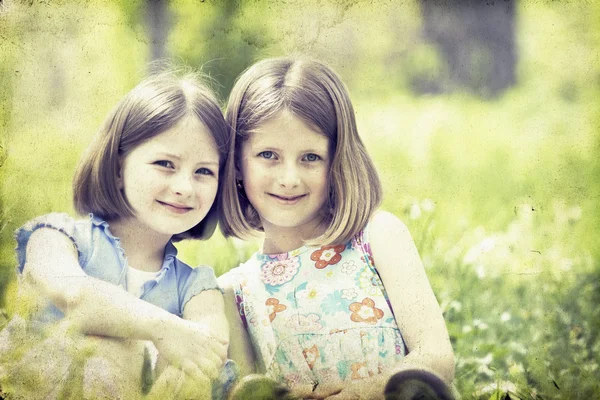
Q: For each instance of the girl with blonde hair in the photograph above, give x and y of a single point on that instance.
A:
(336, 302)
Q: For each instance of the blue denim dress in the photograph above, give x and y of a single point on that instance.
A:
(101, 256)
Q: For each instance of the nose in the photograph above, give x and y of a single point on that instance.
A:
(181, 184)
(289, 176)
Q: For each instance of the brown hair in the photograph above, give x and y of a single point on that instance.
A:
(155, 105)
(311, 91)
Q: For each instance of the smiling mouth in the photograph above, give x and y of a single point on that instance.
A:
(175, 208)
(287, 199)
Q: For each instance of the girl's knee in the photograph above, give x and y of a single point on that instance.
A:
(114, 370)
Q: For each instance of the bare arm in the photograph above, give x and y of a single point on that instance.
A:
(100, 308)
(417, 311)
(240, 346)
(207, 308)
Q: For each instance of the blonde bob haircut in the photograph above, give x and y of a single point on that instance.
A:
(155, 105)
(314, 93)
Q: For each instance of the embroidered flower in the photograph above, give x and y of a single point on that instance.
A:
(249, 313)
(311, 355)
(358, 241)
(359, 244)
(327, 255)
(369, 282)
(334, 303)
(365, 311)
(312, 292)
(273, 307)
(304, 323)
(349, 294)
(278, 272)
(349, 267)
(367, 259)
(398, 349)
(360, 371)
(279, 257)
(296, 253)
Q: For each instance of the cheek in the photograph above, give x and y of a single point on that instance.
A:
(320, 177)
(207, 191)
(252, 172)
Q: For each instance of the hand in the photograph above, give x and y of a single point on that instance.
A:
(190, 346)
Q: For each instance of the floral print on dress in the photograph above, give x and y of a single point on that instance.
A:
(278, 272)
(327, 255)
(349, 267)
(369, 282)
(311, 354)
(337, 323)
(365, 311)
(359, 244)
(273, 307)
(360, 371)
(349, 294)
(312, 292)
(239, 300)
(334, 302)
(304, 323)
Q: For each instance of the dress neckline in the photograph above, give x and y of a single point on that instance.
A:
(282, 256)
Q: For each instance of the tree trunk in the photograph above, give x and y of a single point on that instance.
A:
(477, 41)
(158, 23)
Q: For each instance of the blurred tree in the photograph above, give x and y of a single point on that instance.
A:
(477, 41)
(208, 34)
(158, 24)
(225, 56)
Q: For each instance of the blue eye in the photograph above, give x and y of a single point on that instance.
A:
(311, 157)
(204, 171)
(266, 154)
(164, 163)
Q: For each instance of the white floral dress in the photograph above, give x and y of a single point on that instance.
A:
(318, 314)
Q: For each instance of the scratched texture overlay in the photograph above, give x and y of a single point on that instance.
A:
(482, 118)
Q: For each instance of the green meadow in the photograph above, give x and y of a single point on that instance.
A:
(500, 190)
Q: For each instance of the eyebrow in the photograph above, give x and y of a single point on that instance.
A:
(177, 157)
(273, 148)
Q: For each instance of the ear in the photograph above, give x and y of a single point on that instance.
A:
(238, 171)
(120, 184)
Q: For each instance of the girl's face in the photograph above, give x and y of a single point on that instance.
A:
(171, 180)
(284, 167)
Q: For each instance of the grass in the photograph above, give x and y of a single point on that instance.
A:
(500, 195)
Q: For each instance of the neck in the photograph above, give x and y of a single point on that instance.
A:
(144, 248)
(282, 239)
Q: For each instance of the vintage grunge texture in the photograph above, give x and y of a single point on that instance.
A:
(482, 119)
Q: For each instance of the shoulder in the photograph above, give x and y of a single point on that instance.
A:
(384, 225)
(234, 276)
(388, 236)
(59, 221)
(195, 281)
(181, 267)
(77, 231)
(230, 278)
(382, 220)
(186, 275)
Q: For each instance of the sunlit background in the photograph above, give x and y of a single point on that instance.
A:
(482, 117)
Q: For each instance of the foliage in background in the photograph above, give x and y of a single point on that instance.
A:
(501, 196)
